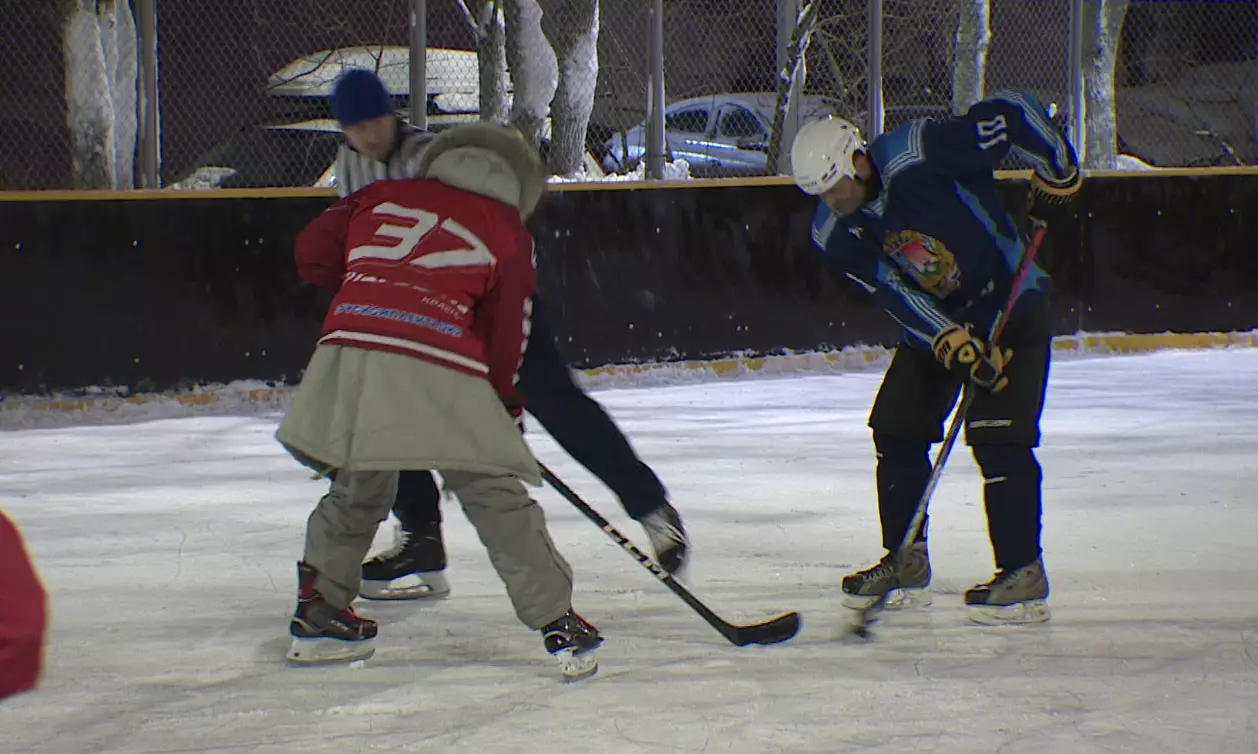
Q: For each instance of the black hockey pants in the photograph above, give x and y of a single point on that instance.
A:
(1002, 430)
(575, 420)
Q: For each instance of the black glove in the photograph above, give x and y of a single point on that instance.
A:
(967, 356)
(1050, 201)
(515, 407)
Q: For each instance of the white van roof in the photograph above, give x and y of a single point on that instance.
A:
(449, 72)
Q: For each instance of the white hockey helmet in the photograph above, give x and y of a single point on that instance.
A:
(822, 154)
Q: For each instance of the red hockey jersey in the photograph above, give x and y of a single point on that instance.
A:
(425, 270)
(23, 614)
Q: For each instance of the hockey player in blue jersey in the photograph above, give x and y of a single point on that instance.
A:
(914, 219)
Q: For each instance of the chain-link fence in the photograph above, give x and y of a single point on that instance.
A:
(1186, 83)
(244, 93)
(34, 132)
(244, 86)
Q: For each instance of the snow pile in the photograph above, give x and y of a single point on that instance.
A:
(100, 405)
(737, 366)
(678, 170)
(1131, 162)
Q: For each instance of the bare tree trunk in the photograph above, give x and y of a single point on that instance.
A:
(491, 56)
(100, 49)
(120, 42)
(974, 35)
(1100, 105)
(533, 68)
(89, 110)
(574, 37)
(786, 78)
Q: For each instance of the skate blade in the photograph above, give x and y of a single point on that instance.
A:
(1020, 613)
(325, 651)
(574, 666)
(899, 599)
(415, 586)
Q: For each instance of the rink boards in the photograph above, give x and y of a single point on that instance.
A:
(157, 293)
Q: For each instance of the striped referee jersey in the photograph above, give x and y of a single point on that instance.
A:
(354, 169)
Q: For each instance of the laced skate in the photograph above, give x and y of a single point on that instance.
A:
(910, 589)
(1014, 596)
(413, 568)
(322, 633)
(572, 641)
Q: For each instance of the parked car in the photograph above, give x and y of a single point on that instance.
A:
(301, 149)
(719, 135)
(297, 154)
(727, 135)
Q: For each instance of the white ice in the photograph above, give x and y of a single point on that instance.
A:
(169, 548)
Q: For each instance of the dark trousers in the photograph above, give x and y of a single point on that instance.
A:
(1002, 429)
(575, 420)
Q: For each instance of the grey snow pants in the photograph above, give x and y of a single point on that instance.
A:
(510, 524)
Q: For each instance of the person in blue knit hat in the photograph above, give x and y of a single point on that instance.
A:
(382, 147)
(379, 144)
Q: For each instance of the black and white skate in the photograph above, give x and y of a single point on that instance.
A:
(413, 568)
(322, 633)
(1015, 596)
(572, 641)
(668, 538)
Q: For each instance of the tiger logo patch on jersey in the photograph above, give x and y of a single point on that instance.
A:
(926, 260)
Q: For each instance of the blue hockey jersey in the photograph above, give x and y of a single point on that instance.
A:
(936, 247)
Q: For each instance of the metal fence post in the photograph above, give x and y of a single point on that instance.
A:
(149, 137)
(419, 64)
(1077, 105)
(655, 92)
(788, 19)
(873, 56)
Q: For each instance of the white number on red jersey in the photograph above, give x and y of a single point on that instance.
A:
(409, 237)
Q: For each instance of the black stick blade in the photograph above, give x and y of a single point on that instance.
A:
(773, 631)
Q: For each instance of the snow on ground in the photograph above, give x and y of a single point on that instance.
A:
(169, 547)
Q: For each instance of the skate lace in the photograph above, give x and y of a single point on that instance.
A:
(401, 539)
(1003, 577)
(882, 569)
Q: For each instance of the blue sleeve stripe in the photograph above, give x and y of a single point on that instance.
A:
(912, 153)
(919, 303)
(1037, 119)
(924, 337)
(821, 233)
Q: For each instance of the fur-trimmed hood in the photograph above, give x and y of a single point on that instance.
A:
(488, 159)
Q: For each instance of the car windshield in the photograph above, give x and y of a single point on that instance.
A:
(272, 158)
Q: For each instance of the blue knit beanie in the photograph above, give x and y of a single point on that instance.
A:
(359, 95)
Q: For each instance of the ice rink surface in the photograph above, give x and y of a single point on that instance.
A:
(169, 548)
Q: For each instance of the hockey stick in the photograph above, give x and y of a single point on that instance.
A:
(868, 615)
(773, 631)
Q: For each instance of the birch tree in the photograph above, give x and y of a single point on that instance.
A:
(794, 69)
(573, 36)
(99, 46)
(974, 35)
(534, 70)
(491, 58)
(1101, 40)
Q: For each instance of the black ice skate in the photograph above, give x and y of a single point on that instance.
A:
(910, 589)
(572, 641)
(1014, 596)
(322, 633)
(668, 538)
(411, 569)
